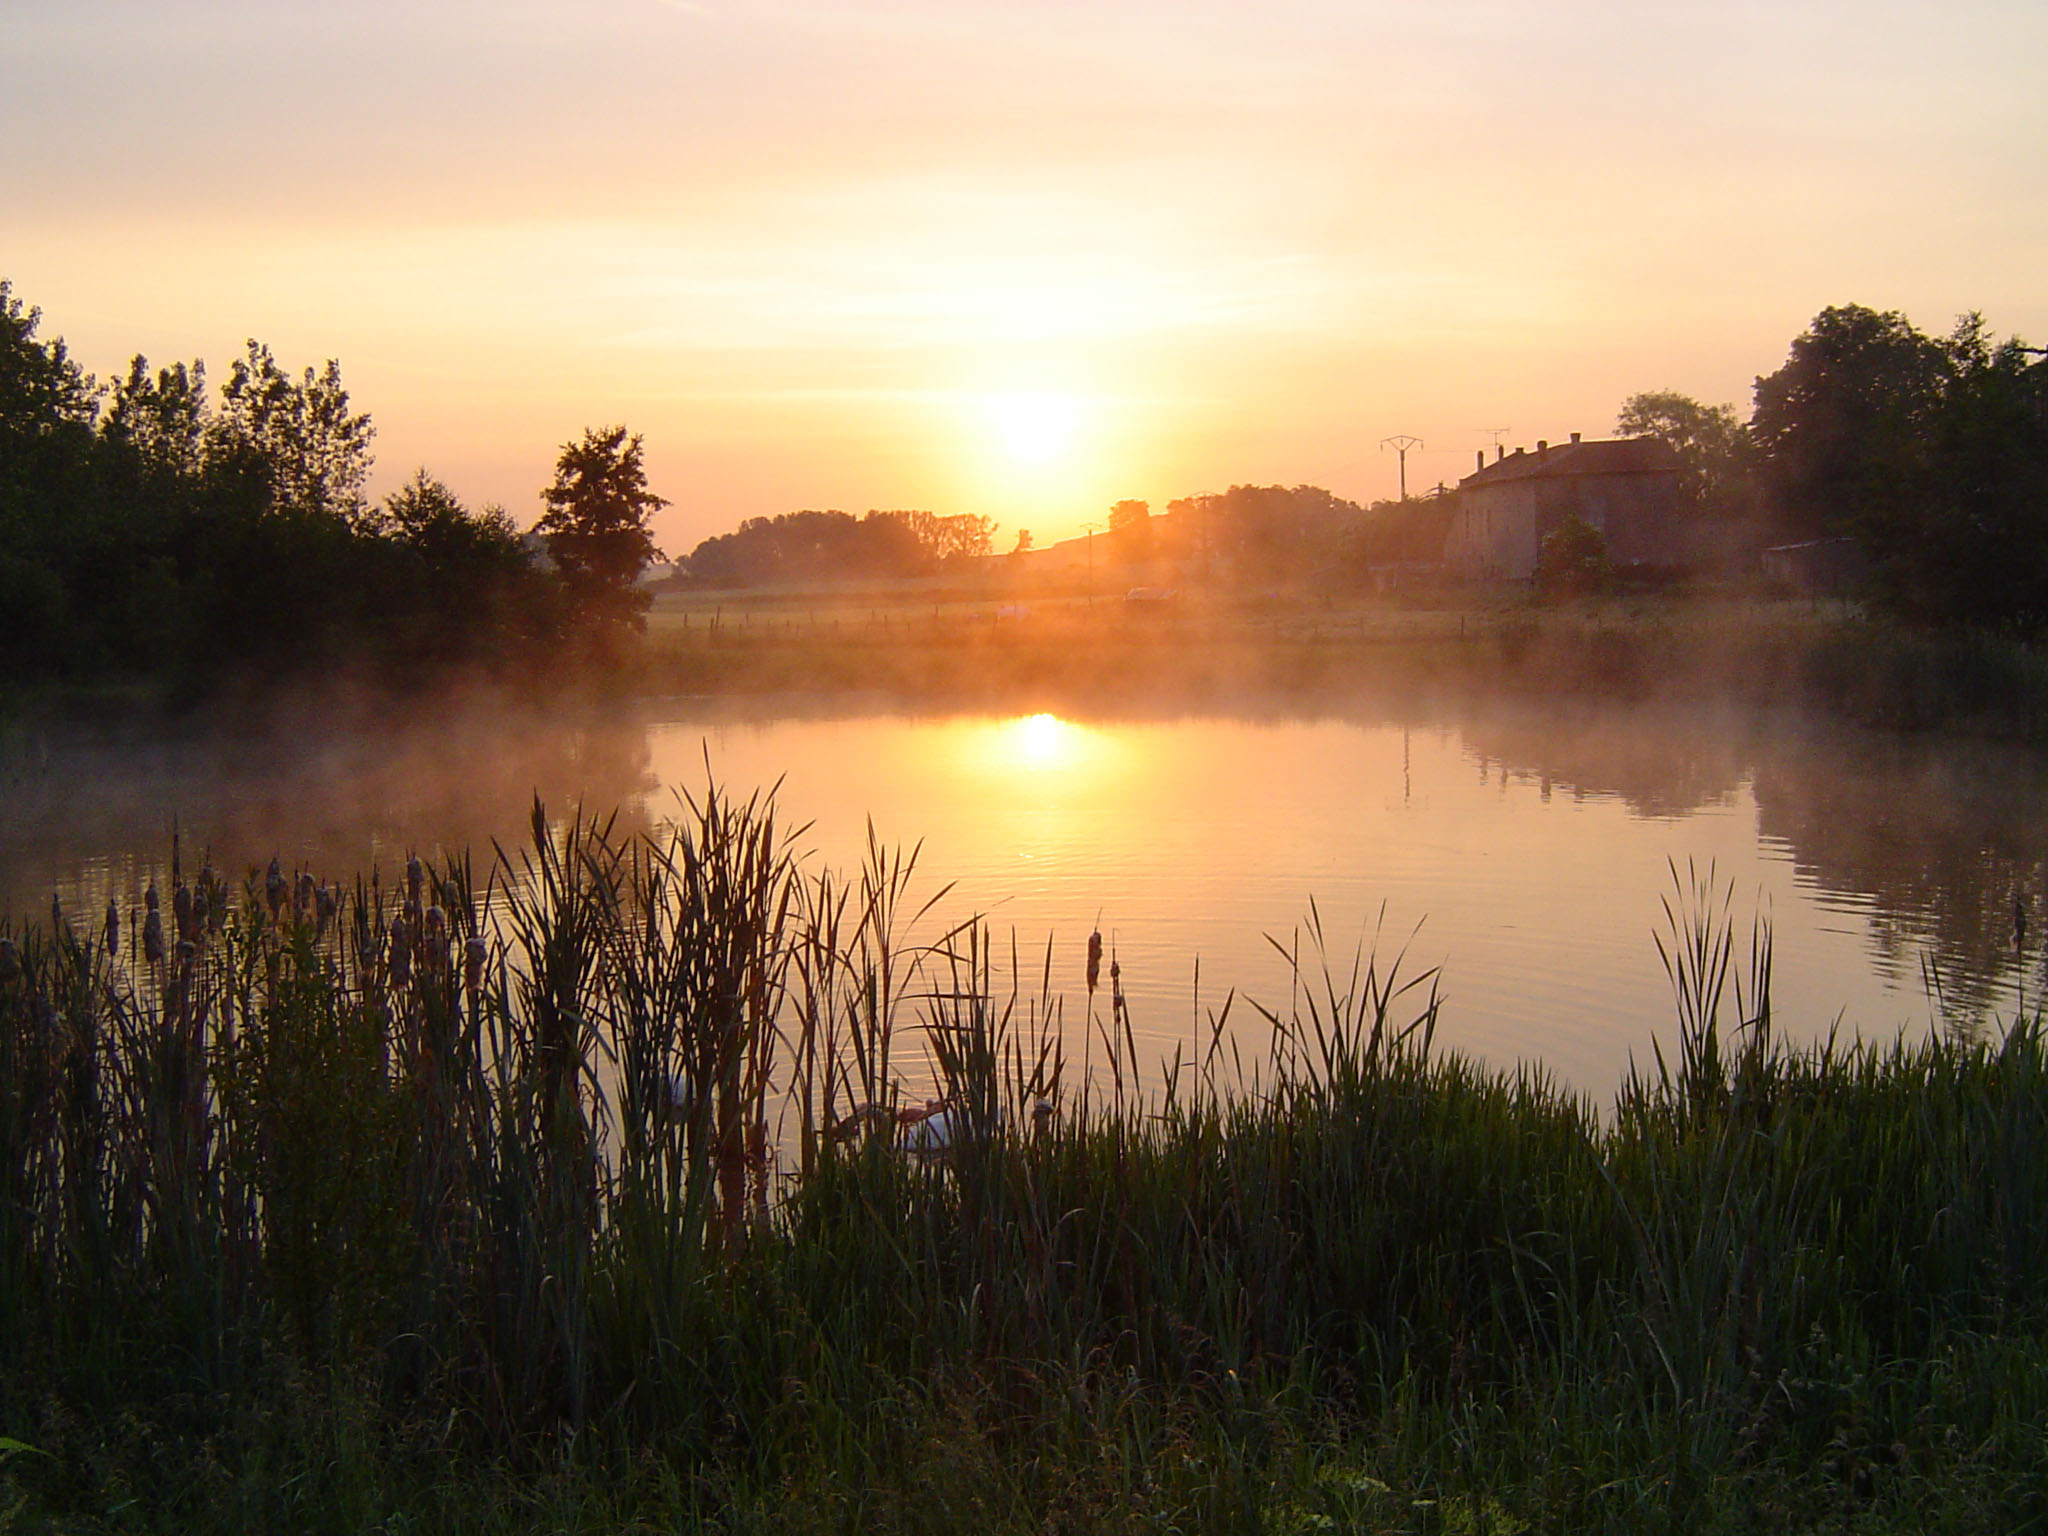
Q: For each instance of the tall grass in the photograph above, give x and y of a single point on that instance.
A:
(674, 1147)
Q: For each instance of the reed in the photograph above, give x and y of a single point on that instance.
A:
(666, 1176)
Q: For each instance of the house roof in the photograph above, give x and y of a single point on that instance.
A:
(1607, 456)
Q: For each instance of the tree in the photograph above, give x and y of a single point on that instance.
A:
(1130, 529)
(1713, 447)
(1573, 558)
(598, 528)
(1842, 428)
(293, 449)
(1974, 548)
(426, 516)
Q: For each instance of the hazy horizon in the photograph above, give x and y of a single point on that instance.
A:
(1013, 260)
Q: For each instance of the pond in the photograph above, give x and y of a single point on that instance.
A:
(1525, 850)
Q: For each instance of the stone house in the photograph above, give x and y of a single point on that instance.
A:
(1625, 487)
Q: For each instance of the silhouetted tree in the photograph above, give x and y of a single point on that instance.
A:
(1932, 454)
(291, 448)
(1713, 448)
(598, 529)
(1130, 530)
(1843, 428)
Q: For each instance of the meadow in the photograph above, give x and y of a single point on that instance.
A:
(952, 641)
(667, 1181)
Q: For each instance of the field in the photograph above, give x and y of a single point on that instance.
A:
(588, 1192)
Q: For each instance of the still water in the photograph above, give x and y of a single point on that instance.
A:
(1525, 851)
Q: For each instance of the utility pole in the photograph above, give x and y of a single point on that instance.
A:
(1090, 528)
(1401, 442)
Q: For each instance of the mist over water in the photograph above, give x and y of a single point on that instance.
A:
(1524, 849)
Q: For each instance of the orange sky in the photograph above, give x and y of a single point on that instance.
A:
(1018, 259)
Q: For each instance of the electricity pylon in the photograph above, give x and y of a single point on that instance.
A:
(1401, 442)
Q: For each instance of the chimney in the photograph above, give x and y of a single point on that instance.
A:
(1575, 437)
(1481, 456)
(1542, 449)
(1499, 453)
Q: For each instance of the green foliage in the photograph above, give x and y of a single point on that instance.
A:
(167, 537)
(599, 532)
(1573, 558)
(1270, 532)
(1842, 426)
(1714, 457)
(291, 448)
(810, 546)
(355, 1182)
(1933, 454)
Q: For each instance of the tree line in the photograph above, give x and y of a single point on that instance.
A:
(153, 528)
(1929, 453)
(811, 545)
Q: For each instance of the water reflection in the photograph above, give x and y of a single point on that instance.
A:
(1523, 847)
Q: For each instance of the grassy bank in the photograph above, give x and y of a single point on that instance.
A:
(589, 1194)
(949, 649)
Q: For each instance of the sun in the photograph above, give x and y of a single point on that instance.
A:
(1037, 427)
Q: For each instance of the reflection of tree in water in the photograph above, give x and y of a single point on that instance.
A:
(1941, 835)
(1659, 760)
(94, 818)
(1930, 839)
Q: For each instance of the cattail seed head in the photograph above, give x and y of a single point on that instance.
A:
(112, 934)
(153, 937)
(274, 889)
(473, 963)
(401, 950)
(1094, 959)
(149, 899)
(181, 909)
(415, 878)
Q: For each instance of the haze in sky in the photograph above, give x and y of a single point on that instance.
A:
(1017, 259)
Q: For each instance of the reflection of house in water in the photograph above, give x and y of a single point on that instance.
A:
(1657, 761)
(1627, 488)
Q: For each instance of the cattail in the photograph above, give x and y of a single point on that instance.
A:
(204, 920)
(437, 925)
(302, 897)
(216, 890)
(153, 933)
(112, 935)
(401, 951)
(274, 889)
(181, 909)
(324, 905)
(473, 967)
(1094, 959)
(415, 878)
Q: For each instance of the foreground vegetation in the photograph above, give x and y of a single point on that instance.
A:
(589, 1194)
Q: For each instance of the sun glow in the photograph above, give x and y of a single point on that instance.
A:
(1038, 427)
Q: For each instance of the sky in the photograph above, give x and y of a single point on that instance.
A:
(1021, 260)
